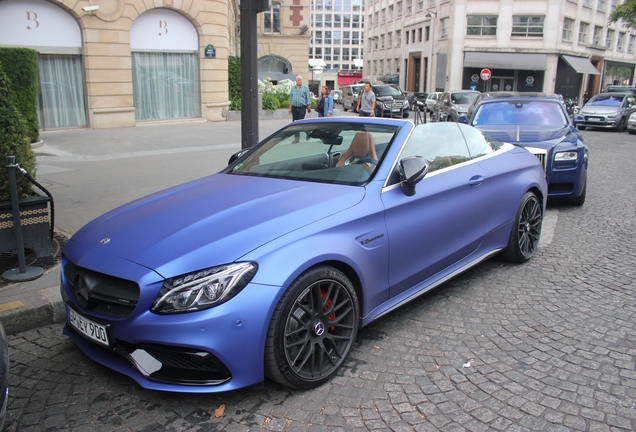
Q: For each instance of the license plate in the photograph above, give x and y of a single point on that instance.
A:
(96, 332)
(594, 119)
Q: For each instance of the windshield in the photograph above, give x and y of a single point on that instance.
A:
(327, 152)
(387, 91)
(614, 100)
(538, 113)
(463, 98)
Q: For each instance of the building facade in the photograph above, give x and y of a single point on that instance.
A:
(283, 38)
(336, 45)
(116, 63)
(563, 46)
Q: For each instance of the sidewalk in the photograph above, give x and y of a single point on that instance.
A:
(89, 172)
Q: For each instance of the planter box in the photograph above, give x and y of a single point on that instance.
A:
(35, 224)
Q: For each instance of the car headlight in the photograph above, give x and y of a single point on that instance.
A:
(612, 116)
(380, 104)
(203, 289)
(569, 156)
(632, 117)
(406, 103)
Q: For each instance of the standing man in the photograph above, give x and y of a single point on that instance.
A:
(366, 102)
(299, 101)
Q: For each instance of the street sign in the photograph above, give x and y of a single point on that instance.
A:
(485, 74)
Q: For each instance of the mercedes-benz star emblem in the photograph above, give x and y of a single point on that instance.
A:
(104, 241)
(319, 328)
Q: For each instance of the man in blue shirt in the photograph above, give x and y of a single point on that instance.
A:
(299, 101)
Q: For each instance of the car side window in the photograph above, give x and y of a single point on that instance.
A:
(478, 144)
(441, 144)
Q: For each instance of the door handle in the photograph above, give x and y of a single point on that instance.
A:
(476, 180)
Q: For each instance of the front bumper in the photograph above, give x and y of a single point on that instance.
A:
(565, 180)
(213, 350)
(599, 121)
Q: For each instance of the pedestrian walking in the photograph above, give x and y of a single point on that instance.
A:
(299, 101)
(586, 97)
(366, 102)
(324, 107)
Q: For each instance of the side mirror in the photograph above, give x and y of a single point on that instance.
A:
(577, 118)
(237, 155)
(462, 119)
(412, 170)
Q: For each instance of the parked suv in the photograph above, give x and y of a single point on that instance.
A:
(390, 101)
(452, 104)
(608, 111)
(350, 96)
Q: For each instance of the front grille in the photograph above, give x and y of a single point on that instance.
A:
(541, 154)
(102, 293)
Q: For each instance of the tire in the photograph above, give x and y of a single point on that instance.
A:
(581, 127)
(620, 127)
(307, 345)
(580, 200)
(526, 230)
(632, 132)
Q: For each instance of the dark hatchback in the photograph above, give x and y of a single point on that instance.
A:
(390, 101)
(540, 124)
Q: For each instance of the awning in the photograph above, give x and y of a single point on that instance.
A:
(581, 65)
(390, 79)
(496, 60)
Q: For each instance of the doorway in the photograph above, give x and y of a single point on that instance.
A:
(500, 84)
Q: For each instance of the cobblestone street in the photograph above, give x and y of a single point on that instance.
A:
(545, 346)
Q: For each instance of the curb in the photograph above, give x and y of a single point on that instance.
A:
(32, 304)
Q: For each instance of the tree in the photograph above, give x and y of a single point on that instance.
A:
(626, 13)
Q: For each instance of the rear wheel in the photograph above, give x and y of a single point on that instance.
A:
(312, 330)
(526, 230)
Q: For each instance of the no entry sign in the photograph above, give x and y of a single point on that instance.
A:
(485, 74)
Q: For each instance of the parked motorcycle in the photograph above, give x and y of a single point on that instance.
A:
(571, 106)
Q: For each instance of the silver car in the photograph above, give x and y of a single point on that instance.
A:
(431, 100)
(608, 111)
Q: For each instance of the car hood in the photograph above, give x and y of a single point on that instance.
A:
(544, 138)
(214, 220)
(597, 109)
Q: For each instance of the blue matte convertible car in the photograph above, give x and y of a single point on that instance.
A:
(270, 267)
(541, 124)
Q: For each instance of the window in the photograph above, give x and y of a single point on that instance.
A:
(356, 21)
(398, 5)
(630, 44)
(409, 6)
(587, 3)
(431, 3)
(381, 66)
(337, 37)
(356, 5)
(328, 20)
(407, 38)
(336, 54)
(375, 66)
(613, 4)
(596, 39)
(398, 38)
(355, 38)
(327, 56)
(346, 54)
(383, 16)
(337, 5)
(328, 37)
(527, 26)
(397, 65)
(568, 26)
(420, 5)
(318, 5)
(337, 20)
(382, 41)
(346, 20)
(318, 37)
(389, 41)
(391, 13)
(481, 25)
(388, 65)
(377, 19)
(600, 5)
(419, 34)
(318, 22)
(346, 38)
(271, 19)
(620, 42)
(609, 39)
(444, 28)
(328, 4)
(428, 32)
(583, 29)
(441, 144)
(375, 42)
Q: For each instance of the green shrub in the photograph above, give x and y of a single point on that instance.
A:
(270, 102)
(14, 141)
(234, 82)
(21, 68)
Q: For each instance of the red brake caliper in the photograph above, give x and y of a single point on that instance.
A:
(331, 317)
